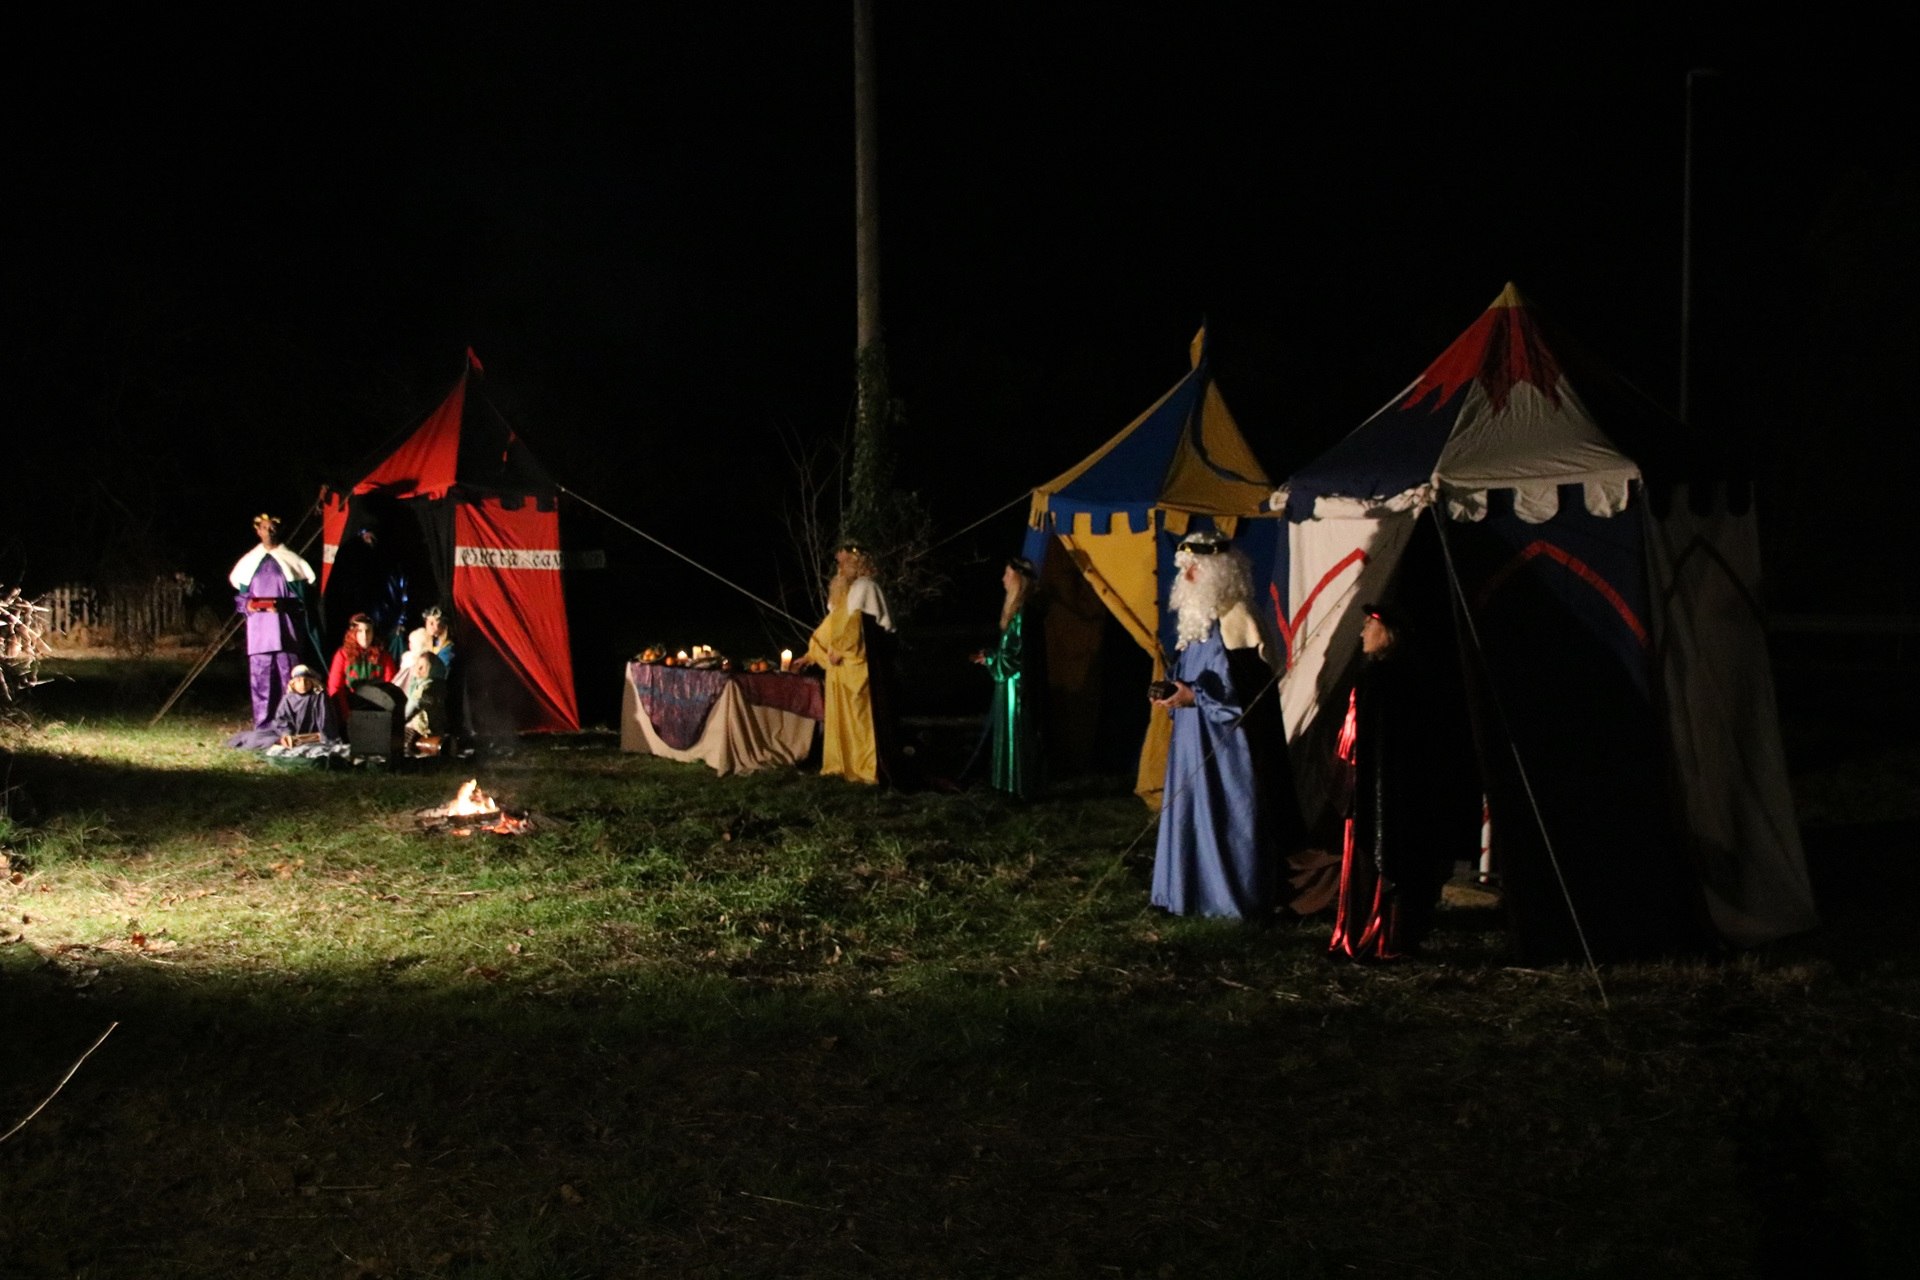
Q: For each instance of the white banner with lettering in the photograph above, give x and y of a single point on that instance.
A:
(506, 558)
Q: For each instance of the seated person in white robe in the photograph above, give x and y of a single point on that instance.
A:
(425, 713)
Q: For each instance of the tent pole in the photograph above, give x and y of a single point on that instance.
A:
(193, 673)
(1553, 859)
(1686, 254)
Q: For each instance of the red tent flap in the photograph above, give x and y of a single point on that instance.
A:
(426, 464)
(333, 523)
(506, 584)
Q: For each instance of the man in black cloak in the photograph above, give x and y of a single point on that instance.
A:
(1396, 855)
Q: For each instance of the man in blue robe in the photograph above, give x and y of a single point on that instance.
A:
(1228, 814)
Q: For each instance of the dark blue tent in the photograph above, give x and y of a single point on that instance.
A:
(1598, 581)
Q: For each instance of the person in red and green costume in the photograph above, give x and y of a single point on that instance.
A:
(358, 658)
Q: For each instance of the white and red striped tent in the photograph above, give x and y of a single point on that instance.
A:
(1596, 574)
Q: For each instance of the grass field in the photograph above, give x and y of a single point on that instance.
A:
(783, 1026)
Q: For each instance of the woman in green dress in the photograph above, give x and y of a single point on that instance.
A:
(1013, 663)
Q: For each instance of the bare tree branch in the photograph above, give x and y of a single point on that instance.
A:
(23, 642)
(63, 1083)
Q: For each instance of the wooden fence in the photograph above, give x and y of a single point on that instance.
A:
(133, 615)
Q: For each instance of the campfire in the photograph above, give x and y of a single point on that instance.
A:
(471, 810)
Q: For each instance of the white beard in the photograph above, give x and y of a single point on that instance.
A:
(1221, 581)
(1197, 616)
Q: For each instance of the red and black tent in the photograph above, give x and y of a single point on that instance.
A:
(462, 514)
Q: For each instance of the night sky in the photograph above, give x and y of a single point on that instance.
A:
(247, 253)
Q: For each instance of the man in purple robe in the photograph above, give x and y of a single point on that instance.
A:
(1228, 814)
(271, 582)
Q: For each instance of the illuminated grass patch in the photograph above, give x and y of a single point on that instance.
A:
(778, 1026)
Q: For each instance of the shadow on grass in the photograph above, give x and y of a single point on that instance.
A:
(1185, 1123)
(152, 803)
(146, 800)
(685, 1124)
(134, 688)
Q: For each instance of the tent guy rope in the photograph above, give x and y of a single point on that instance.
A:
(1153, 819)
(805, 627)
(1520, 765)
(1025, 495)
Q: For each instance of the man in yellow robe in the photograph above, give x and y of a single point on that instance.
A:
(839, 646)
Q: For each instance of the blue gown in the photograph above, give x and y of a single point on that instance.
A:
(298, 714)
(1217, 853)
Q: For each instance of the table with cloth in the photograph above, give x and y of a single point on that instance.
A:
(731, 721)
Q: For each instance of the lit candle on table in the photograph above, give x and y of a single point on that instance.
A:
(786, 659)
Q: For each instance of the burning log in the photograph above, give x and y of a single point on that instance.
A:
(473, 810)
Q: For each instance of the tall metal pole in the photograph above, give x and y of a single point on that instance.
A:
(1686, 255)
(865, 177)
(867, 474)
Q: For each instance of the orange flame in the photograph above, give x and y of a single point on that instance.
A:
(471, 800)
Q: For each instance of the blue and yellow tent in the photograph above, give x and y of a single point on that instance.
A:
(1120, 513)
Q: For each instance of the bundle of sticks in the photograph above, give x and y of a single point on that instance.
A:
(23, 642)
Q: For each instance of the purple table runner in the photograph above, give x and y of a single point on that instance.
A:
(786, 692)
(678, 700)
